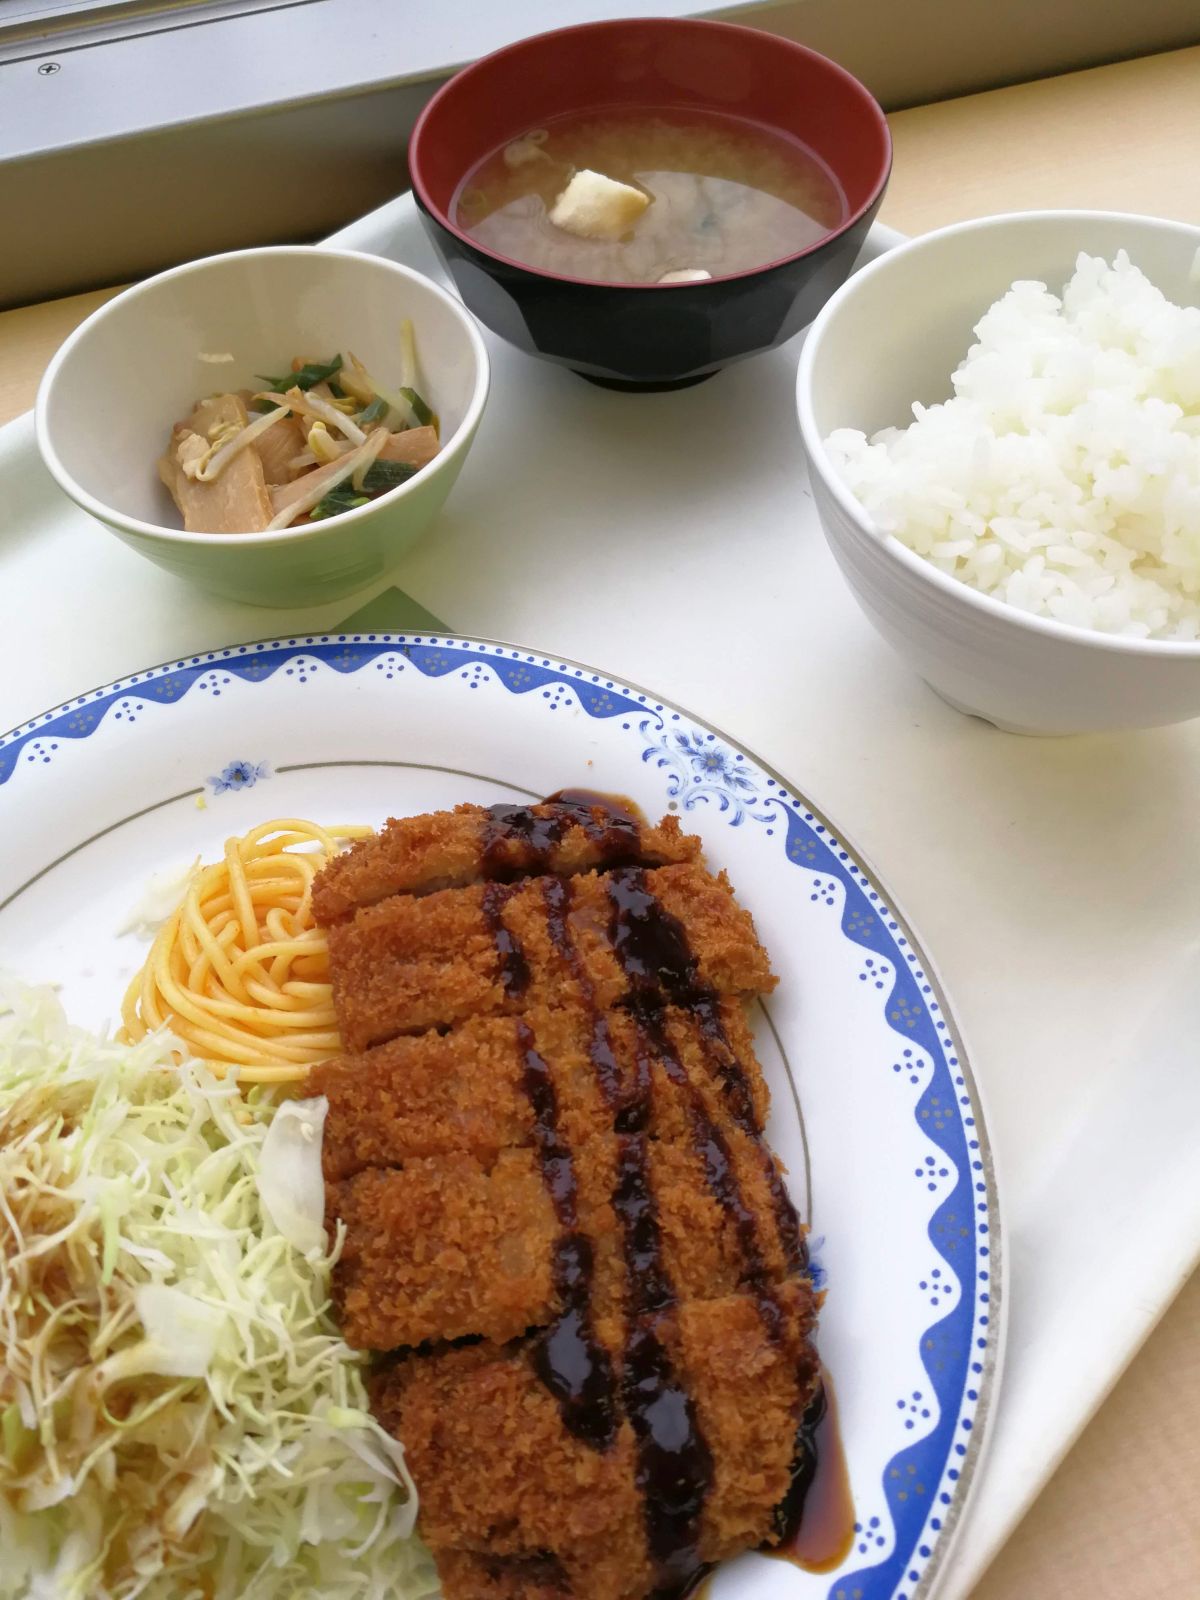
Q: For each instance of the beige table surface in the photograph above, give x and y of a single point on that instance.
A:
(1120, 1520)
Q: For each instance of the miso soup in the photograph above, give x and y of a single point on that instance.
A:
(725, 195)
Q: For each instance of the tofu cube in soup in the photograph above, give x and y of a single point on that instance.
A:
(595, 207)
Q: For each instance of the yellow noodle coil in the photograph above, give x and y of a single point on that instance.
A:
(240, 971)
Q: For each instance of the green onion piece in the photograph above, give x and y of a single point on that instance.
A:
(383, 475)
(375, 412)
(343, 498)
(308, 377)
(420, 410)
(379, 478)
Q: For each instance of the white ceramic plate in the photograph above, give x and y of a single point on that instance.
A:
(874, 1109)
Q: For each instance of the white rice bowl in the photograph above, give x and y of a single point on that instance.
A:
(1064, 476)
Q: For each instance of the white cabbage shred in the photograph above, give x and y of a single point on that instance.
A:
(163, 892)
(290, 1185)
(178, 1415)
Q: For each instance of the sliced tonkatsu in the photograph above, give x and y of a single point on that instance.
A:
(412, 963)
(466, 1090)
(514, 1503)
(575, 832)
(565, 1234)
(453, 1246)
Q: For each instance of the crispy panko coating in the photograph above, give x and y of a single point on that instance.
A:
(565, 1235)
(504, 1485)
(443, 1248)
(467, 1575)
(434, 1093)
(499, 1474)
(409, 964)
(448, 1246)
(430, 1152)
(424, 1095)
(446, 850)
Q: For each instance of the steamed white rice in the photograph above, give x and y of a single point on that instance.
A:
(1064, 477)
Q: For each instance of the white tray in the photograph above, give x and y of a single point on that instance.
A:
(1056, 883)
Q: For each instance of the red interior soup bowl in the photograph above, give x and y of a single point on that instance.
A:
(733, 84)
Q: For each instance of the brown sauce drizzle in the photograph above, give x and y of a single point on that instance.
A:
(556, 895)
(541, 1568)
(517, 840)
(619, 810)
(674, 1464)
(705, 1009)
(697, 1587)
(524, 839)
(815, 1521)
(514, 969)
(652, 946)
(713, 1149)
(674, 1470)
(728, 1070)
(567, 1356)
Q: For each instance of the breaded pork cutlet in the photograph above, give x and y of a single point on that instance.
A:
(475, 844)
(445, 1247)
(464, 1091)
(409, 964)
(454, 1246)
(547, 1144)
(513, 1504)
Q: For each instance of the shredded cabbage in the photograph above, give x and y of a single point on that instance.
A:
(179, 1419)
(163, 892)
(290, 1186)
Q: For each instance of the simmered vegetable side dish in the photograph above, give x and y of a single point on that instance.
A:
(322, 439)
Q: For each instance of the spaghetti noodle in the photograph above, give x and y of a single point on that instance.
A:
(240, 971)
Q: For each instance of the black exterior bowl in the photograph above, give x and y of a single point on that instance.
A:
(650, 336)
